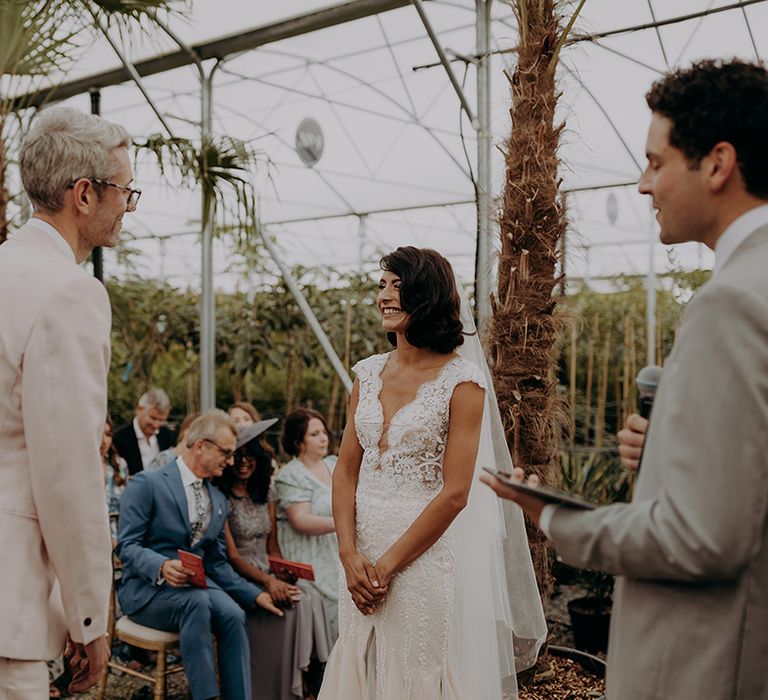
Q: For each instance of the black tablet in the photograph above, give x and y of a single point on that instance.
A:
(545, 493)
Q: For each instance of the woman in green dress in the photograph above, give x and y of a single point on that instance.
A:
(305, 528)
(286, 652)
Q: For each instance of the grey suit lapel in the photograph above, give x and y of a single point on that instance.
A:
(173, 482)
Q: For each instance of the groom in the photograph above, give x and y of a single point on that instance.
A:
(175, 508)
(691, 551)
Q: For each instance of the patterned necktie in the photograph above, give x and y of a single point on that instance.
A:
(197, 523)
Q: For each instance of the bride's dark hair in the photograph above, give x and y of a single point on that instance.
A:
(428, 294)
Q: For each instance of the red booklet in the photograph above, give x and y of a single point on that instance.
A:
(297, 568)
(194, 564)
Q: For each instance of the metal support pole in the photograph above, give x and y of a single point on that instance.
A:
(361, 236)
(131, 70)
(207, 298)
(309, 315)
(97, 254)
(650, 291)
(444, 60)
(484, 250)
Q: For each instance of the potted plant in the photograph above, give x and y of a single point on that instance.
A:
(599, 477)
(591, 614)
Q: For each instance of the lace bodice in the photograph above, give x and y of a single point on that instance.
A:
(412, 461)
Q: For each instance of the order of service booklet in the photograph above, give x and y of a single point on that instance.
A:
(194, 564)
(297, 568)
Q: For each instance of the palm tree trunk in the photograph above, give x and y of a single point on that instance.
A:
(3, 188)
(524, 328)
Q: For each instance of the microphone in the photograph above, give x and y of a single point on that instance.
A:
(647, 381)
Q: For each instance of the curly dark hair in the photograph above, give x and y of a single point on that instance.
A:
(112, 457)
(258, 482)
(295, 428)
(428, 294)
(714, 101)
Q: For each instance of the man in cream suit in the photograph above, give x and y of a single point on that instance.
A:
(54, 358)
(691, 553)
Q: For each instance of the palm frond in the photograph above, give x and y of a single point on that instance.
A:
(130, 15)
(37, 38)
(221, 167)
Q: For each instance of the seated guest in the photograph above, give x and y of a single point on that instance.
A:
(115, 476)
(139, 441)
(244, 413)
(305, 528)
(168, 455)
(175, 508)
(281, 650)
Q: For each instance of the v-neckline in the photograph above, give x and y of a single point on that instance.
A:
(385, 432)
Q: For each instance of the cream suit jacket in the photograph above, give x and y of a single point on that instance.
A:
(55, 565)
(690, 616)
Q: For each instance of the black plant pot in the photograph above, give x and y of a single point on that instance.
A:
(590, 620)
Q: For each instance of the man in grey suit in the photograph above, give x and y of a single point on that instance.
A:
(690, 551)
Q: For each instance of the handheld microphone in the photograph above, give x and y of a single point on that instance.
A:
(647, 382)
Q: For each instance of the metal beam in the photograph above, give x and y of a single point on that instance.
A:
(444, 60)
(217, 48)
(306, 310)
(576, 38)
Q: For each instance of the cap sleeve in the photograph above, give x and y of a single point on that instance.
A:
(364, 368)
(470, 372)
(290, 487)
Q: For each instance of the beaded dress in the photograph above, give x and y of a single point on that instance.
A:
(400, 652)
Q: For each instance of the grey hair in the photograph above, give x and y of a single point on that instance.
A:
(65, 144)
(208, 425)
(155, 398)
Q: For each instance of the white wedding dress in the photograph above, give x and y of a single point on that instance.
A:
(401, 652)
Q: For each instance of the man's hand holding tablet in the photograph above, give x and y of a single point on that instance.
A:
(528, 494)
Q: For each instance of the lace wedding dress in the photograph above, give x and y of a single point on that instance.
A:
(401, 651)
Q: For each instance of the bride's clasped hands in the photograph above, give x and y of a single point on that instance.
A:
(366, 583)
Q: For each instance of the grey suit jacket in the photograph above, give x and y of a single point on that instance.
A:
(54, 534)
(690, 617)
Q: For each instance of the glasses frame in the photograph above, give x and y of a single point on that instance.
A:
(134, 195)
(227, 454)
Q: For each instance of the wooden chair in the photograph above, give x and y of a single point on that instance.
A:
(147, 638)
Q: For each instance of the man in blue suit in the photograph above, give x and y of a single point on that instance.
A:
(175, 508)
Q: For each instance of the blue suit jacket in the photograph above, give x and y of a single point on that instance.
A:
(154, 524)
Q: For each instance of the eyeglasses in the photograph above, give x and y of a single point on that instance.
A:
(133, 194)
(227, 454)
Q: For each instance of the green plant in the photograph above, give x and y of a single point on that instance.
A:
(597, 476)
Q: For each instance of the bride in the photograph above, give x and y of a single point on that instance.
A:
(429, 615)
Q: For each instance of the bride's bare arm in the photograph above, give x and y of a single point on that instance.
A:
(458, 469)
(361, 577)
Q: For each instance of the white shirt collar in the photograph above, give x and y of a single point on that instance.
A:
(187, 477)
(140, 433)
(53, 233)
(737, 233)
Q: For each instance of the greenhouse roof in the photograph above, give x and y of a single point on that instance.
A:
(399, 155)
